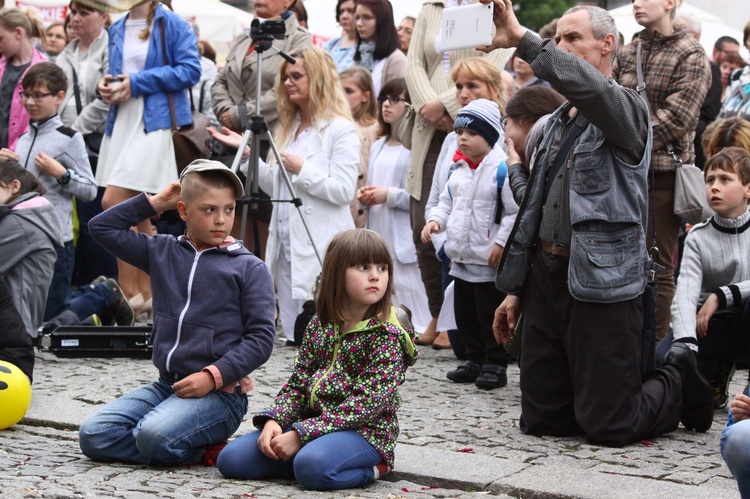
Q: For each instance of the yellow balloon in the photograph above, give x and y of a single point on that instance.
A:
(15, 394)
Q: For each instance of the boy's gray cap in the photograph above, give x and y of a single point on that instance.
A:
(206, 165)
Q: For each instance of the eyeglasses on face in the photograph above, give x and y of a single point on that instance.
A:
(503, 122)
(37, 97)
(295, 77)
(393, 100)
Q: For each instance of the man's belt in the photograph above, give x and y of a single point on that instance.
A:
(555, 249)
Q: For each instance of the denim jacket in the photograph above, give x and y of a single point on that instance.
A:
(608, 211)
(182, 72)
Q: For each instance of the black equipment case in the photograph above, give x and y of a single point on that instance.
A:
(97, 341)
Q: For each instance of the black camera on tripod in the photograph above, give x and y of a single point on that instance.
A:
(267, 29)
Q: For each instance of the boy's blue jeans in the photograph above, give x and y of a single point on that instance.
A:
(154, 426)
(338, 460)
(735, 442)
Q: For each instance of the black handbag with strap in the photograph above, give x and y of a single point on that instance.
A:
(193, 141)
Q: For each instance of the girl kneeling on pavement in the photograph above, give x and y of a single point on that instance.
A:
(333, 425)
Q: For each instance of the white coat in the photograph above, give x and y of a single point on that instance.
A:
(466, 210)
(397, 198)
(326, 185)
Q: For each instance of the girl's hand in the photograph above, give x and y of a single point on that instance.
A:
(227, 137)
(123, 93)
(270, 431)
(705, 313)
(740, 407)
(104, 90)
(495, 254)
(428, 230)
(194, 386)
(292, 164)
(49, 166)
(370, 195)
(167, 199)
(286, 445)
(8, 154)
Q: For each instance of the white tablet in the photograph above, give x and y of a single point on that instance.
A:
(467, 26)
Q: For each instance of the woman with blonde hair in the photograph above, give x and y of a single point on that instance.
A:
(17, 55)
(360, 94)
(319, 148)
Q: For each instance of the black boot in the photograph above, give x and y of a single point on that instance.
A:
(697, 394)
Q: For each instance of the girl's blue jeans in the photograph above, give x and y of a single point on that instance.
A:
(152, 425)
(338, 460)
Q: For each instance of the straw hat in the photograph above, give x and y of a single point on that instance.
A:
(116, 6)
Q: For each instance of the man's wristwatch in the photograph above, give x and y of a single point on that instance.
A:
(64, 179)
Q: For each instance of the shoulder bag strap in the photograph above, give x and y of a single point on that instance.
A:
(641, 88)
(164, 60)
(200, 98)
(580, 125)
(502, 172)
(76, 91)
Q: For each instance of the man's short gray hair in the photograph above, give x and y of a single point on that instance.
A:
(602, 23)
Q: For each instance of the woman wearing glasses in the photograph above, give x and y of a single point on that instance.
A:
(377, 42)
(388, 203)
(234, 92)
(319, 149)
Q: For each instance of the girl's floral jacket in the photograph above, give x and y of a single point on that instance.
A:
(347, 381)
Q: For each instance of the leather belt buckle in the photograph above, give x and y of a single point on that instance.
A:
(555, 249)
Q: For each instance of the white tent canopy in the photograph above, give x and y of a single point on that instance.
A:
(712, 26)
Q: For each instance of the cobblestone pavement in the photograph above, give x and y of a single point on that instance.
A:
(455, 436)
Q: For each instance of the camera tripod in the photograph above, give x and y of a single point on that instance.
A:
(252, 133)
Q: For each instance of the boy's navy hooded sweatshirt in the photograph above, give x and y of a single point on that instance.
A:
(215, 306)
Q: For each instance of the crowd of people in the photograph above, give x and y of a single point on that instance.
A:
(524, 192)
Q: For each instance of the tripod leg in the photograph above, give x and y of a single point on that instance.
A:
(297, 202)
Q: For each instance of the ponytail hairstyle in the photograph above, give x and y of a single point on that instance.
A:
(367, 112)
(11, 19)
(10, 170)
(146, 33)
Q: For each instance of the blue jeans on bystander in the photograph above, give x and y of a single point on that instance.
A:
(735, 441)
(152, 425)
(338, 460)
